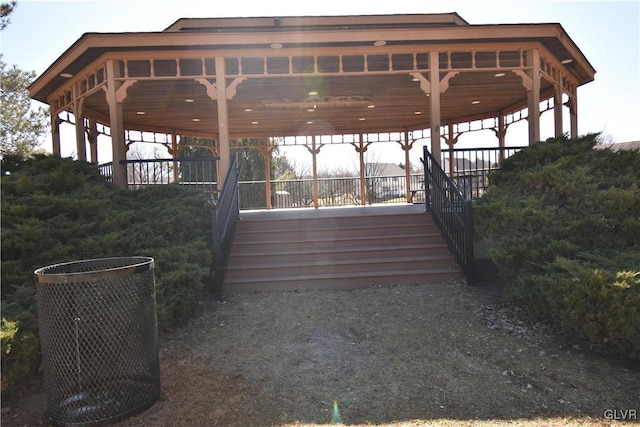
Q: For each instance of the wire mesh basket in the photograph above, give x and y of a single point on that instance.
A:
(99, 340)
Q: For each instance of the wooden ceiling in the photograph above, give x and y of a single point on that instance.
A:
(334, 80)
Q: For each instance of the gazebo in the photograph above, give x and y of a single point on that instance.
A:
(308, 76)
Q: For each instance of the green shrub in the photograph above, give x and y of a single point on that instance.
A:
(566, 218)
(58, 210)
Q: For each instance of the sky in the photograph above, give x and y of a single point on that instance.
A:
(607, 32)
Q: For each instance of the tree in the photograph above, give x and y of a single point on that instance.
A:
(5, 11)
(22, 127)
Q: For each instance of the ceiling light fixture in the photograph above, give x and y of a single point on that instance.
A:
(362, 119)
(140, 113)
(417, 113)
(248, 110)
(195, 120)
(189, 100)
(499, 74)
(276, 45)
(566, 61)
(66, 75)
(379, 43)
(371, 106)
(476, 102)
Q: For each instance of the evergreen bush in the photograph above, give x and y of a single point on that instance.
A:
(566, 217)
(58, 210)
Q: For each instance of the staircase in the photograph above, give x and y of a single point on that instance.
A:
(337, 248)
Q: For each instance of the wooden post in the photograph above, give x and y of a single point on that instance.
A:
(55, 133)
(223, 118)
(501, 133)
(361, 148)
(533, 96)
(78, 114)
(118, 147)
(573, 113)
(557, 111)
(92, 134)
(434, 104)
(314, 152)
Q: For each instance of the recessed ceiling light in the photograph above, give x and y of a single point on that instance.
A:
(189, 100)
(313, 93)
(362, 119)
(566, 61)
(195, 120)
(254, 123)
(379, 43)
(140, 113)
(499, 74)
(310, 122)
(371, 106)
(276, 45)
(66, 75)
(475, 102)
(311, 110)
(248, 110)
(417, 113)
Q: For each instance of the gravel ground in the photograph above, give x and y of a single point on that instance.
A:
(446, 354)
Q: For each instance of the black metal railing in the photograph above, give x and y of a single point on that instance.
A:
(451, 211)
(469, 168)
(200, 173)
(333, 191)
(225, 215)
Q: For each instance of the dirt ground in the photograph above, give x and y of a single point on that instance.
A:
(425, 355)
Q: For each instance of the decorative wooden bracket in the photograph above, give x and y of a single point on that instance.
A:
(527, 81)
(212, 88)
(361, 147)
(406, 146)
(312, 151)
(121, 92)
(425, 84)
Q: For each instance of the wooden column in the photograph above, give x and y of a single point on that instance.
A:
(573, 114)
(533, 95)
(55, 133)
(501, 133)
(174, 155)
(266, 150)
(406, 146)
(314, 152)
(451, 141)
(118, 147)
(92, 136)
(223, 118)
(434, 104)
(81, 131)
(557, 111)
(361, 148)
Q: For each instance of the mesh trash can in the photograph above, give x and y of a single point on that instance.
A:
(99, 340)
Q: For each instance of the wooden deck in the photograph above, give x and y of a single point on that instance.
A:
(337, 248)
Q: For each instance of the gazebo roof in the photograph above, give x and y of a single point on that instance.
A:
(313, 75)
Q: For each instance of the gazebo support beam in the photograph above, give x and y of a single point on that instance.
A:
(55, 133)
(118, 147)
(223, 119)
(434, 105)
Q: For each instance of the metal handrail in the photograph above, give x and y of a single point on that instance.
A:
(451, 211)
(225, 216)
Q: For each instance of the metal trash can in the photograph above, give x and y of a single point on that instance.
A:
(99, 339)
